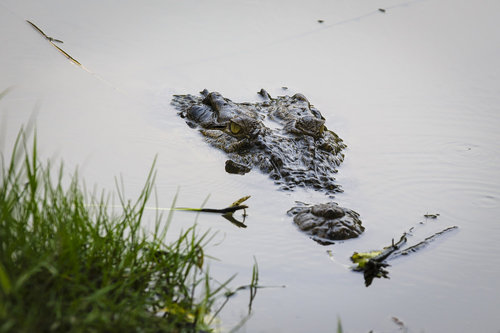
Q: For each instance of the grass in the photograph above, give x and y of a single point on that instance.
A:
(69, 264)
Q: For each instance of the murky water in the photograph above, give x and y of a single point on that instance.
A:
(414, 92)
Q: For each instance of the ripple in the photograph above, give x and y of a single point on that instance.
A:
(459, 152)
(487, 201)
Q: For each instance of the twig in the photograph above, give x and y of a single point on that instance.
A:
(52, 40)
(230, 209)
(423, 243)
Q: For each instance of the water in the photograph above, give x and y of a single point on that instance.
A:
(414, 92)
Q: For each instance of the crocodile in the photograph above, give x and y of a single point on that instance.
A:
(284, 137)
(327, 222)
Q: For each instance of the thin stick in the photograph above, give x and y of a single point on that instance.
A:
(66, 54)
(43, 33)
(423, 243)
(231, 209)
(52, 40)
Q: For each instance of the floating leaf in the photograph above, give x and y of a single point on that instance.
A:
(361, 258)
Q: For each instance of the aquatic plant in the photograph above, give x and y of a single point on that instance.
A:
(70, 263)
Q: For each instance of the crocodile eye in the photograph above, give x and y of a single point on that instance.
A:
(235, 128)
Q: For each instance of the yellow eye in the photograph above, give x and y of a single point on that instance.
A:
(235, 128)
(321, 129)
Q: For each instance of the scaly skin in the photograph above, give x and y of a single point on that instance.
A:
(285, 137)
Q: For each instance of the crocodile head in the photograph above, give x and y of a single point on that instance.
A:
(284, 137)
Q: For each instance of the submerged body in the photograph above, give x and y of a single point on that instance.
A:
(285, 137)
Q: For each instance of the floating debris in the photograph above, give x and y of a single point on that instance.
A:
(320, 21)
(43, 33)
(227, 212)
(373, 263)
(423, 243)
(382, 10)
(431, 216)
(52, 40)
(398, 322)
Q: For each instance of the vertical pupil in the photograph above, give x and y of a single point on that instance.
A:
(235, 128)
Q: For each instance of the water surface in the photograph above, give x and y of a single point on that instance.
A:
(414, 92)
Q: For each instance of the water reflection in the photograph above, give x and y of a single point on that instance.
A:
(239, 223)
